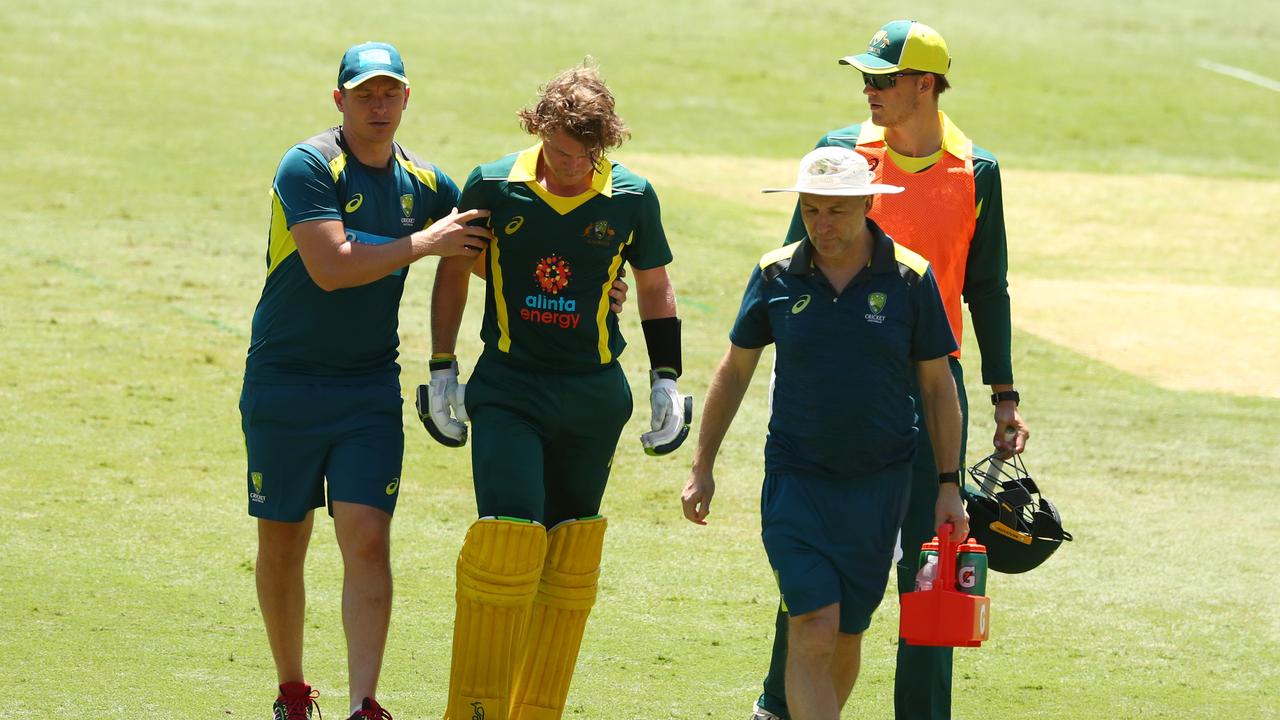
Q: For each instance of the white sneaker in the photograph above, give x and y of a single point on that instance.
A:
(759, 713)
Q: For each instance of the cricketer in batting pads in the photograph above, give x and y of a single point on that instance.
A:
(547, 399)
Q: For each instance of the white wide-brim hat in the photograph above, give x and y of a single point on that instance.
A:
(836, 171)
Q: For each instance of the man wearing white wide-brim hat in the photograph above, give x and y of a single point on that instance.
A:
(952, 213)
(852, 316)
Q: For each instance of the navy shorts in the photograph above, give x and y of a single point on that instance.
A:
(300, 438)
(832, 541)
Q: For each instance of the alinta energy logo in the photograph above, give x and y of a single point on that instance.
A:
(548, 308)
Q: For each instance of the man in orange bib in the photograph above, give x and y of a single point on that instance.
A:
(952, 214)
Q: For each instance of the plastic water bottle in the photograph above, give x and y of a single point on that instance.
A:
(927, 573)
(971, 568)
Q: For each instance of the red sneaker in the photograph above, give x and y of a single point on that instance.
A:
(295, 702)
(370, 710)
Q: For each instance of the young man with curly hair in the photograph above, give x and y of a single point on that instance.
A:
(547, 399)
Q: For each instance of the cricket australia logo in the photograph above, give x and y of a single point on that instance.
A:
(406, 206)
(878, 43)
(256, 494)
(598, 233)
(876, 302)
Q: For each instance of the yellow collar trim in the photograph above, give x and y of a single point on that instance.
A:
(954, 140)
(525, 170)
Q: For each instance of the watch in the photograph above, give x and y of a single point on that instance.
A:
(1003, 395)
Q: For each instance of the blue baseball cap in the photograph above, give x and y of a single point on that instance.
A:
(368, 60)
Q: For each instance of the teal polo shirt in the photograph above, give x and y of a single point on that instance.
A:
(303, 334)
(842, 403)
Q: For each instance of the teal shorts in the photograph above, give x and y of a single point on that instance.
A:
(305, 439)
(542, 444)
(831, 541)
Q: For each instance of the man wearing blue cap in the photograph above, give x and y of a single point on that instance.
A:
(351, 210)
(952, 214)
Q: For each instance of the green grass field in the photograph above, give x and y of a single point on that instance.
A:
(142, 141)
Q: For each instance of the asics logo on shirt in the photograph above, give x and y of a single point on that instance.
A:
(514, 225)
(800, 305)
(354, 203)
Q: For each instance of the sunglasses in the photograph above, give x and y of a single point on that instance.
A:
(884, 82)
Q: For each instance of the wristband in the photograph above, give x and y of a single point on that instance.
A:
(662, 336)
(949, 477)
(1003, 395)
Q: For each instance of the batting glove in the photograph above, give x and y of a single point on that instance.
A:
(672, 413)
(440, 405)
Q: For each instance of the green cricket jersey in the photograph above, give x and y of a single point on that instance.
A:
(554, 259)
(302, 334)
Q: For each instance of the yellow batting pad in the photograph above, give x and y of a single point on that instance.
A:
(498, 572)
(564, 599)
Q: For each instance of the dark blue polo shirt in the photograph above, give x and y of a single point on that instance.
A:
(841, 403)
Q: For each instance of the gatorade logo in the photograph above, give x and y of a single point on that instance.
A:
(982, 621)
(514, 225)
(968, 576)
(393, 486)
(354, 203)
(800, 305)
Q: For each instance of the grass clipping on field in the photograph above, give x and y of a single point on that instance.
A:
(1187, 299)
